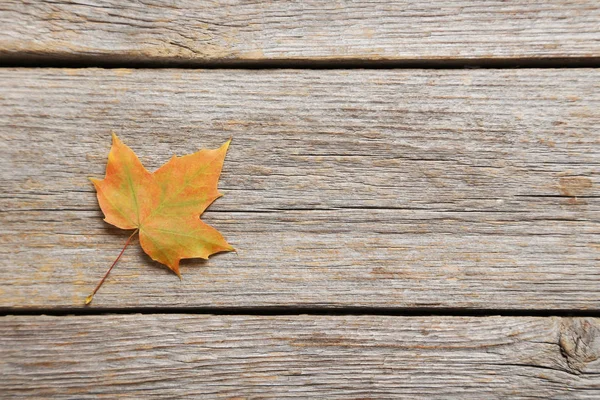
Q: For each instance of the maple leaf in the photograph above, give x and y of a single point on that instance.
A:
(164, 206)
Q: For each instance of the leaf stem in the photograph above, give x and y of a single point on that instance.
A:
(89, 299)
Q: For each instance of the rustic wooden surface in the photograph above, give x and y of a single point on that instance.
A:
(299, 356)
(195, 31)
(379, 191)
(355, 188)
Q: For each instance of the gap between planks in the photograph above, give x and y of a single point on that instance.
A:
(316, 311)
(41, 62)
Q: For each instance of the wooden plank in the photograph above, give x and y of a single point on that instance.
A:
(299, 356)
(201, 31)
(373, 188)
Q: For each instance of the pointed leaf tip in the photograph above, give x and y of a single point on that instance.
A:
(226, 144)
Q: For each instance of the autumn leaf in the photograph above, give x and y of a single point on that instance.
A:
(164, 207)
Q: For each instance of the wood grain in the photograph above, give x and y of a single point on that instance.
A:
(362, 188)
(334, 357)
(199, 31)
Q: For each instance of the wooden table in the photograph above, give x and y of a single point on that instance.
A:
(406, 227)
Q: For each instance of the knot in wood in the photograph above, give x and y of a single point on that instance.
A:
(580, 342)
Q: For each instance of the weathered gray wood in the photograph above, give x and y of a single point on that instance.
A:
(198, 31)
(380, 188)
(176, 356)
